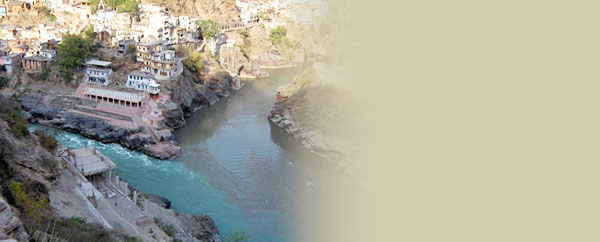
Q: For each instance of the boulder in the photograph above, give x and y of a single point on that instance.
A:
(160, 200)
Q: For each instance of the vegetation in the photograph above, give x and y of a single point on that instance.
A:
(72, 229)
(128, 238)
(129, 6)
(165, 226)
(194, 60)
(46, 12)
(237, 236)
(33, 206)
(277, 35)
(15, 120)
(90, 33)
(209, 29)
(45, 74)
(4, 81)
(131, 48)
(46, 140)
(246, 42)
(73, 50)
(306, 78)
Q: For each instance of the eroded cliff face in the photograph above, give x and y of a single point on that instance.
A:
(22, 160)
(11, 226)
(316, 114)
(192, 91)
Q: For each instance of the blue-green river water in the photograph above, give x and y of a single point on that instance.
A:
(236, 167)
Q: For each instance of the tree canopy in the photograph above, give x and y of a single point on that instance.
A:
(209, 29)
(72, 50)
(277, 35)
(121, 6)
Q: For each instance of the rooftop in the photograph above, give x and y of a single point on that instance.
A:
(99, 63)
(36, 58)
(15, 3)
(125, 96)
(149, 43)
(139, 73)
(90, 161)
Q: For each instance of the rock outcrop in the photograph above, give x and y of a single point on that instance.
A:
(51, 109)
(201, 227)
(11, 226)
(159, 200)
(315, 115)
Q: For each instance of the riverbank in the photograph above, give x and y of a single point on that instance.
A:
(315, 112)
(57, 105)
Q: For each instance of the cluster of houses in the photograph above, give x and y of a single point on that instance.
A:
(150, 23)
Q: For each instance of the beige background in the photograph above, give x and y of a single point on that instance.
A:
(480, 122)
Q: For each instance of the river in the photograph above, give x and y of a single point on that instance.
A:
(237, 167)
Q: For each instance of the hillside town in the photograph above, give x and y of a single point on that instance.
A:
(157, 39)
(129, 74)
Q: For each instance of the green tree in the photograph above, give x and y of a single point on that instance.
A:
(71, 52)
(131, 48)
(121, 6)
(46, 140)
(209, 29)
(127, 6)
(237, 236)
(90, 33)
(35, 207)
(194, 60)
(277, 35)
(246, 42)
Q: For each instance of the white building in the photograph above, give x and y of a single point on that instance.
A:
(143, 82)
(97, 72)
(48, 53)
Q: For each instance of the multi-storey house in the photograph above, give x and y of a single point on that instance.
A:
(98, 72)
(157, 60)
(143, 82)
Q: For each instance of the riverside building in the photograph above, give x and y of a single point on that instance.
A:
(157, 60)
(126, 99)
(143, 82)
(97, 72)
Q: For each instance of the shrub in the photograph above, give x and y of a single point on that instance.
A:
(277, 35)
(45, 74)
(246, 42)
(129, 6)
(71, 229)
(90, 33)
(237, 236)
(15, 120)
(165, 226)
(131, 48)
(34, 207)
(4, 81)
(128, 238)
(194, 60)
(46, 140)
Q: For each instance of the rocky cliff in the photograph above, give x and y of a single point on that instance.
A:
(46, 196)
(316, 114)
(48, 107)
(11, 226)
